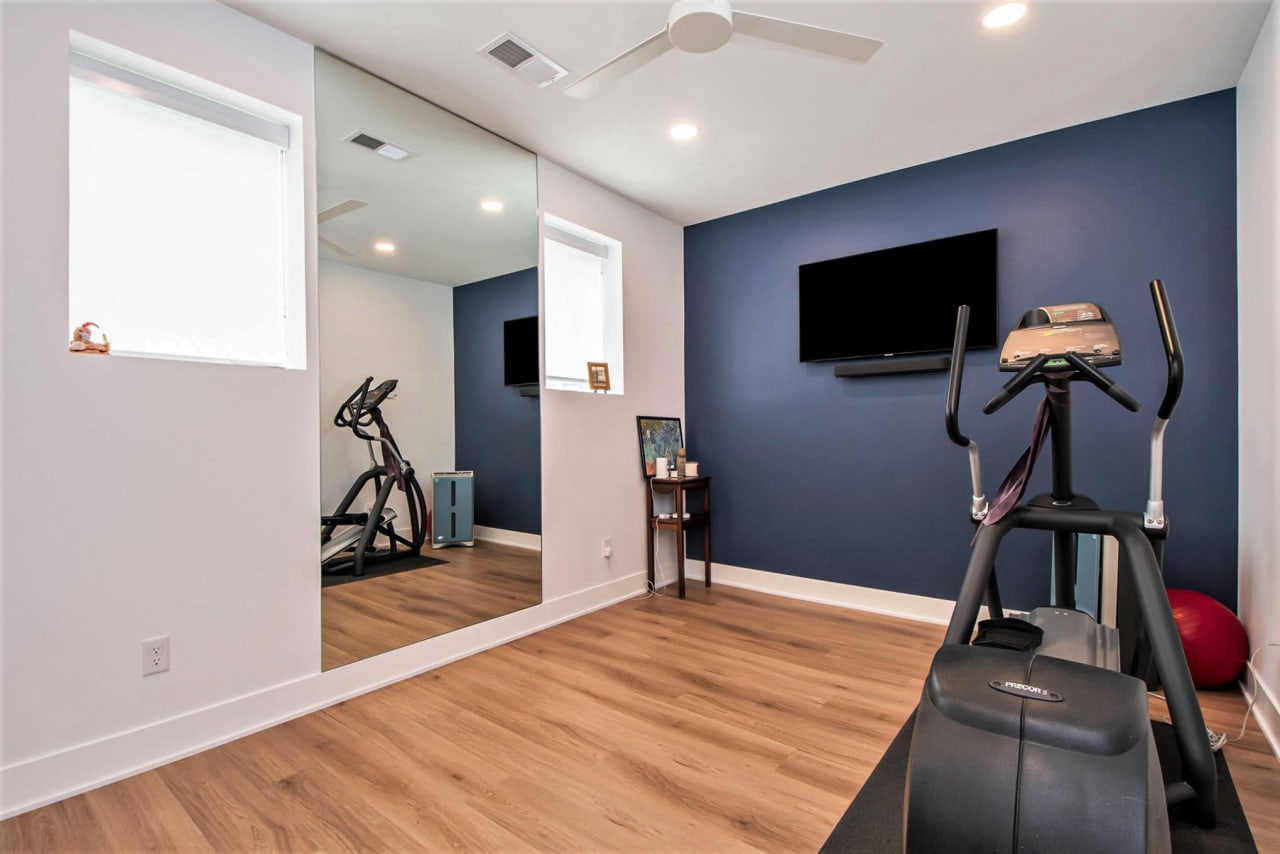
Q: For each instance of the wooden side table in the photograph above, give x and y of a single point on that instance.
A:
(677, 523)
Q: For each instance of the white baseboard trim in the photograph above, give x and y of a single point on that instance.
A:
(519, 539)
(1266, 708)
(909, 606)
(46, 779)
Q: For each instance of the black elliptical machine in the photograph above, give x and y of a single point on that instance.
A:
(347, 540)
(1031, 738)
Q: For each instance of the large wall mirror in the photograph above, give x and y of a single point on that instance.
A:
(428, 251)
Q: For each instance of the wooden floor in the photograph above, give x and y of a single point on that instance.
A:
(730, 721)
(372, 616)
(1254, 767)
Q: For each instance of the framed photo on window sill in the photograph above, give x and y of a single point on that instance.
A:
(598, 375)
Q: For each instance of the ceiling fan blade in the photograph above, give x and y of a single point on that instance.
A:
(806, 36)
(339, 209)
(620, 66)
(336, 248)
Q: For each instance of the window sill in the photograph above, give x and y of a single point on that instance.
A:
(182, 357)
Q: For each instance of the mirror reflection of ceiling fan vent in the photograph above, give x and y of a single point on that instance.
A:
(527, 63)
(380, 146)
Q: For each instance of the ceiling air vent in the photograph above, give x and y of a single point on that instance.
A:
(380, 146)
(526, 62)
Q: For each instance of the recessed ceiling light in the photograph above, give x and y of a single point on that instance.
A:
(491, 205)
(682, 131)
(1003, 16)
(386, 247)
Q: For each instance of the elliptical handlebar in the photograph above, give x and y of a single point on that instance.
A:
(1014, 387)
(360, 409)
(1154, 518)
(957, 373)
(979, 506)
(1172, 348)
(342, 419)
(1109, 386)
(1081, 368)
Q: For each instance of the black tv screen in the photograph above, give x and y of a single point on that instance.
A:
(520, 351)
(899, 301)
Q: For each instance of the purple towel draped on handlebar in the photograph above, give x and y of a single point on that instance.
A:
(1014, 485)
(390, 460)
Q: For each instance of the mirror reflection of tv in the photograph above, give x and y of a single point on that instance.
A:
(520, 351)
(899, 301)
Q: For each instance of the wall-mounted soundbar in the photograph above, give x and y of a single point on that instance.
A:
(894, 366)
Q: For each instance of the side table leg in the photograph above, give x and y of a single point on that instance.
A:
(680, 538)
(706, 548)
(649, 531)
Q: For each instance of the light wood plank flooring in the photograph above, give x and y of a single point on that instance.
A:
(730, 721)
(372, 616)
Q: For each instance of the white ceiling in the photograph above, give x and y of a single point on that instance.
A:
(777, 122)
(428, 204)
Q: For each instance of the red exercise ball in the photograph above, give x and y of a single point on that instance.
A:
(1213, 638)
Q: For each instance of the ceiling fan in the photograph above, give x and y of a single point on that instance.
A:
(700, 26)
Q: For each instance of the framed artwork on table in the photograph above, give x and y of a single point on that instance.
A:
(659, 437)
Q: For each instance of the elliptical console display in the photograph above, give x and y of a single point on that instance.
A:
(1054, 331)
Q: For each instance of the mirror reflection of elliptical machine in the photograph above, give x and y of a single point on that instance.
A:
(348, 541)
(1029, 737)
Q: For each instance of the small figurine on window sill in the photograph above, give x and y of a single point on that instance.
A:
(82, 340)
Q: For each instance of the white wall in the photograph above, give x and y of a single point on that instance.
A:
(154, 497)
(596, 434)
(384, 326)
(163, 497)
(1258, 185)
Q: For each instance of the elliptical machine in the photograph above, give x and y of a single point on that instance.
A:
(1030, 739)
(347, 539)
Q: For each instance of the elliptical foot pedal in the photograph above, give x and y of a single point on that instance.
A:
(1009, 633)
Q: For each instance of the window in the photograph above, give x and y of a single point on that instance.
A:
(185, 220)
(583, 295)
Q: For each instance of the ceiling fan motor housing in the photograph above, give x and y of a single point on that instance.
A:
(700, 26)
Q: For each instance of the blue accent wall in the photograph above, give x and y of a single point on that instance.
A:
(854, 480)
(498, 431)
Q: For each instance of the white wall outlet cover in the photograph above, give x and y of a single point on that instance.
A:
(155, 655)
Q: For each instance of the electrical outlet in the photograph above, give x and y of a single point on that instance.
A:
(606, 547)
(155, 655)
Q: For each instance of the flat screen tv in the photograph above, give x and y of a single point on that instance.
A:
(899, 301)
(520, 351)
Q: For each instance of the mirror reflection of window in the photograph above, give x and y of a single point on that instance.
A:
(583, 300)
